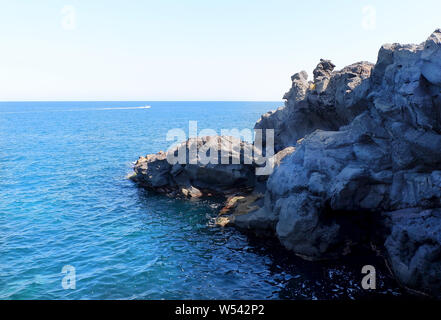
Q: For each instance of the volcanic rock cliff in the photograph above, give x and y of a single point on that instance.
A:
(363, 164)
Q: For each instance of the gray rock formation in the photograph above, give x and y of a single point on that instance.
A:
(209, 165)
(222, 166)
(367, 140)
(332, 100)
(413, 247)
(249, 212)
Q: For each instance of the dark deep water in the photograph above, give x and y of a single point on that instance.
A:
(65, 200)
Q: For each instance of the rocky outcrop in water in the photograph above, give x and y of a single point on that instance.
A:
(363, 165)
(223, 165)
(211, 165)
(367, 140)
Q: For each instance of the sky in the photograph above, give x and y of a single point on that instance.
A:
(192, 49)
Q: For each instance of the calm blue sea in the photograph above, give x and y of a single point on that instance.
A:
(65, 200)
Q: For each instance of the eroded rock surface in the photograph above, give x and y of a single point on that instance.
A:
(362, 141)
(367, 140)
(332, 100)
(413, 247)
(225, 167)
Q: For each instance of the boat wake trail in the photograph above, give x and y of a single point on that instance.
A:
(82, 109)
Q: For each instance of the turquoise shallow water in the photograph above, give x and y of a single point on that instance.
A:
(65, 200)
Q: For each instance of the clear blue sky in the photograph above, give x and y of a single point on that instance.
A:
(192, 49)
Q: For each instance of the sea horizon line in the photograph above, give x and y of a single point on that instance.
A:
(11, 101)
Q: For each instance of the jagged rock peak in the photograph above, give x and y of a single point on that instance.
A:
(323, 69)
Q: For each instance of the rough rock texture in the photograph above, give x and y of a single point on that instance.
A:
(226, 168)
(367, 140)
(414, 248)
(248, 212)
(370, 141)
(223, 166)
(332, 100)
